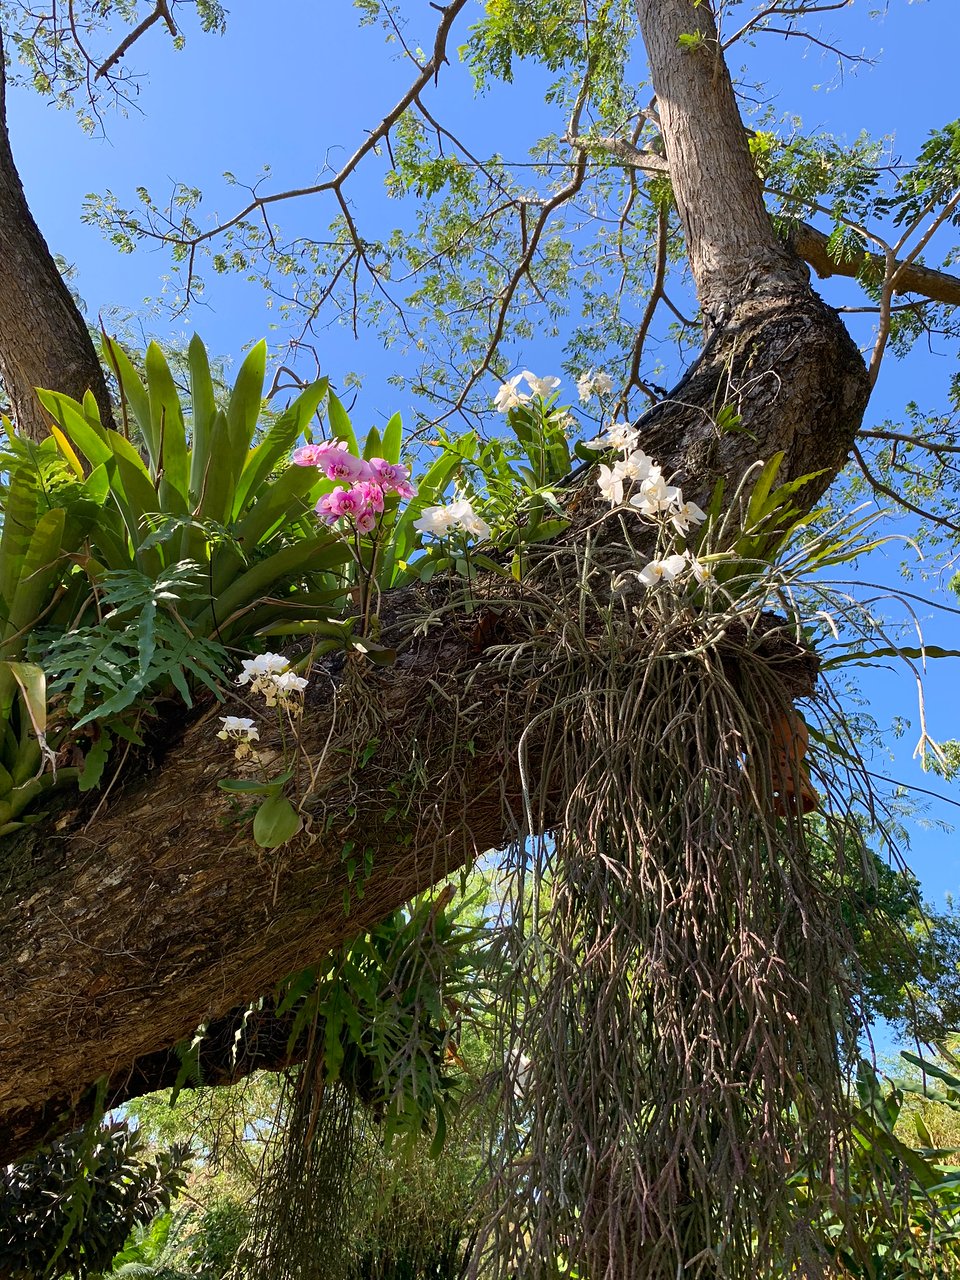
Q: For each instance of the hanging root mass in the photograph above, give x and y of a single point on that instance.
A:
(677, 1032)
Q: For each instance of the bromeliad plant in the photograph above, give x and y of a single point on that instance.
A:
(186, 534)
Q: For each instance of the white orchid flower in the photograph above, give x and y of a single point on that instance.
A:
(508, 397)
(464, 517)
(665, 570)
(543, 387)
(610, 483)
(637, 466)
(655, 494)
(242, 727)
(435, 521)
(702, 572)
(685, 515)
(621, 435)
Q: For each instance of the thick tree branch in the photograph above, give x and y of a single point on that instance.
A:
(122, 936)
(810, 244)
(45, 342)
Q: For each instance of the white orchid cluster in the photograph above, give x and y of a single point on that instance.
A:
(455, 517)
(511, 397)
(594, 383)
(269, 674)
(651, 497)
(242, 731)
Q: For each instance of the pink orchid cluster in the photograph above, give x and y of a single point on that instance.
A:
(369, 480)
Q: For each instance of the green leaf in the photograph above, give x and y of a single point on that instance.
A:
(243, 411)
(94, 762)
(204, 406)
(276, 822)
(372, 446)
(132, 390)
(340, 427)
(277, 443)
(757, 506)
(392, 439)
(250, 786)
(173, 462)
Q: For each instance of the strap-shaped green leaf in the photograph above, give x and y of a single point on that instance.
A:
(243, 411)
(324, 551)
(277, 443)
(172, 462)
(132, 391)
(204, 410)
(340, 426)
(392, 442)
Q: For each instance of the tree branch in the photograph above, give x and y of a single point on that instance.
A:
(907, 275)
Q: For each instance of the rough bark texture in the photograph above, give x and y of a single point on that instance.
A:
(45, 341)
(122, 936)
(774, 350)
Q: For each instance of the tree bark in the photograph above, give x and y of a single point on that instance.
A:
(45, 341)
(774, 351)
(123, 935)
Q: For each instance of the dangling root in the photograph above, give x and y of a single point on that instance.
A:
(680, 1034)
(307, 1199)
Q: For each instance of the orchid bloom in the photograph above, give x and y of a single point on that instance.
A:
(686, 514)
(665, 570)
(264, 664)
(610, 483)
(637, 466)
(240, 730)
(434, 521)
(240, 727)
(464, 517)
(440, 521)
(508, 397)
(655, 494)
(702, 572)
(393, 477)
(542, 387)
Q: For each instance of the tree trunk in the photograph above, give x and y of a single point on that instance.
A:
(45, 342)
(774, 351)
(123, 935)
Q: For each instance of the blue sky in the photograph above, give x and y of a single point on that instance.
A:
(300, 89)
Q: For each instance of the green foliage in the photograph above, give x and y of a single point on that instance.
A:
(67, 1210)
(388, 1008)
(60, 53)
(901, 1218)
(141, 644)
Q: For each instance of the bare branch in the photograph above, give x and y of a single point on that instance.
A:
(258, 204)
(656, 297)
(880, 487)
(790, 11)
(894, 270)
(901, 437)
(161, 11)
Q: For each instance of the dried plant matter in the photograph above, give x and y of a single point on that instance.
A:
(678, 974)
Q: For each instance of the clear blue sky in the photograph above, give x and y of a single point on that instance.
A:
(299, 89)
